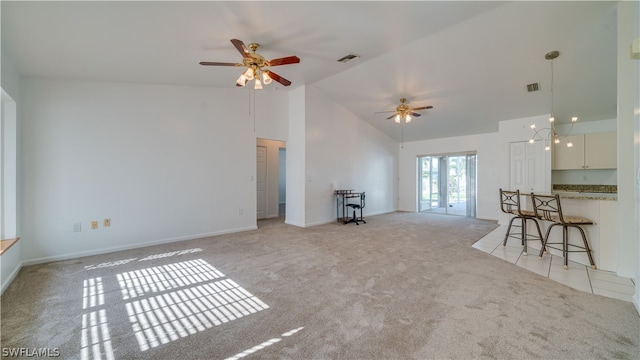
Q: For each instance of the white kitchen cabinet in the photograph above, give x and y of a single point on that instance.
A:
(589, 151)
(601, 151)
(569, 158)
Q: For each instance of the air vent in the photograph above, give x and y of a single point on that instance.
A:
(346, 59)
(533, 87)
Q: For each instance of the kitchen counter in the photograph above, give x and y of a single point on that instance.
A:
(602, 209)
(586, 192)
(586, 195)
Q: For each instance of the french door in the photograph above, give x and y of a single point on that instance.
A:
(447, 184)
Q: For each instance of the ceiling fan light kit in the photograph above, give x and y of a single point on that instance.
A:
(551, 133)
(404, 112)
(256, 66)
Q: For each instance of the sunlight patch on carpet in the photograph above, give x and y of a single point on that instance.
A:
(109, 264)
(95, 340)
(166, 277)
(192, 296)
(263, 345)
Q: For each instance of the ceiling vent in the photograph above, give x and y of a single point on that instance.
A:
(533, 87)
(346, 59)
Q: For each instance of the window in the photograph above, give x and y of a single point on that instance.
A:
(8, 172)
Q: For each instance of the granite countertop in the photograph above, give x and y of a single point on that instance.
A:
(586, 192)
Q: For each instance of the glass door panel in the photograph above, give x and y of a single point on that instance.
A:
(428, 183)
(447, 184)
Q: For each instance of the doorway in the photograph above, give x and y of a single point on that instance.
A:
(282, 182)
(447, 184)
(270, 177)
(261, 182)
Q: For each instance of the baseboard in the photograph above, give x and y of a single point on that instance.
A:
(293, 223)
(323, 222)
(11, 277)
(129, 247)
(329, 221)
(488, 219)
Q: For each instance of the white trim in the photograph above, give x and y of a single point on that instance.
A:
(293, 224)
(11, 277)
(365, 215)
(323, 222)
(129, 247)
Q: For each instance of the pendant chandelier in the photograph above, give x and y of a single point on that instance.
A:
(549, 134)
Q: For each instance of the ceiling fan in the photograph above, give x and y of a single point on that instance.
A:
(404, 111)
(256, 66)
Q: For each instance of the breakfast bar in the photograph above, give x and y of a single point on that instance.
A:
(601, 208)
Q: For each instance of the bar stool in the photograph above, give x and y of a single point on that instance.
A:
(510, 204)
(547, 207)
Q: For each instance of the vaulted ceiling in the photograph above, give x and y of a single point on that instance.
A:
(471, 61)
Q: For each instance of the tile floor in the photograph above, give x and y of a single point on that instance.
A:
(578, 276)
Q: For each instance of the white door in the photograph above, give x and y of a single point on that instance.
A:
(517, 160)
(526, 167)
(261, 182)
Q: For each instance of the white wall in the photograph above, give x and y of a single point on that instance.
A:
(11, 260)
(636, 94)
(487, 148)
(296, 150)
(628, 144)
(271, 111)
(164, 163)
(343, 149)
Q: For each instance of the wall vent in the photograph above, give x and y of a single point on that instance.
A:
(346, 59)
(533, 87)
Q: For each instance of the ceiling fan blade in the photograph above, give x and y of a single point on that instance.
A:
(210, 63)
(279, 78)
(241, 48)
(391, 117)
(283, 61)
(415, 114)
(422, 108)
(382, 112)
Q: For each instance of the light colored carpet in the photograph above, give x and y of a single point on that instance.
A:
(402, 286)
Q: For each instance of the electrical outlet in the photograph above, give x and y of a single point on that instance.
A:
(240, 211)
(77, 227)
(106, 222)
(94, 224)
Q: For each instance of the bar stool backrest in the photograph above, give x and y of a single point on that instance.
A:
(547, 207)
(510, 201)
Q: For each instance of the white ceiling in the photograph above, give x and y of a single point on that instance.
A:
(470, 60)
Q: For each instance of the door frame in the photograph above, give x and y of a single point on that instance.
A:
(443, 185)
